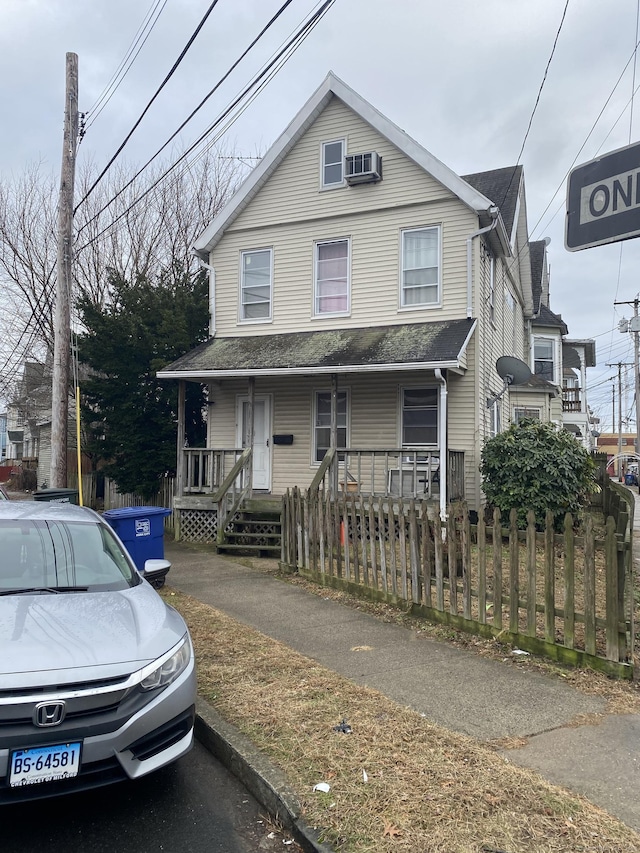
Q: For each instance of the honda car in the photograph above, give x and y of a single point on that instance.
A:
(97, 675)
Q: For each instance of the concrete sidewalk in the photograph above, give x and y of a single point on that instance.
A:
(452, 687)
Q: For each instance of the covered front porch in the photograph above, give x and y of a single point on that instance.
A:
(362, 412)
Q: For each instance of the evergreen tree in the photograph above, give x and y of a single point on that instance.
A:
(130, 415)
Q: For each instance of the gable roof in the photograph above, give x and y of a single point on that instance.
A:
(546, 317)
(331, 87)
(502, 186)
(411, 346)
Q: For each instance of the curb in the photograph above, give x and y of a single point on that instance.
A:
(264, 781)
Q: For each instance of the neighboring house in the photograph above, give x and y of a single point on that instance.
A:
(360, 295)
(619, 448)
(3, 436)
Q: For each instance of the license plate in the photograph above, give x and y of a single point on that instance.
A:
(44, 764)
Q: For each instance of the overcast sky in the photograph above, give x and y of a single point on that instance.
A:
(460, 76)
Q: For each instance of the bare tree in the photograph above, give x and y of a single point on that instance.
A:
(151, 237)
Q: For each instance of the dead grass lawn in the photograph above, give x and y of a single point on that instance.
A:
(398, 783)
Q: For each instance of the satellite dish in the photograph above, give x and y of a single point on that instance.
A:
(512, 371)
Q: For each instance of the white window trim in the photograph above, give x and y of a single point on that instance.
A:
(314, 415)
(527, 409)
(423, 305)
(336, 185)
(314, 311)
(252, 321)
(422, 386)
(555, 348)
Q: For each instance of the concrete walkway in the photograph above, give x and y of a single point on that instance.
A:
(454, 688)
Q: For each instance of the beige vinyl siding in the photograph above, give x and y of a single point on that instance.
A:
(291, 213)
(375, 240)
(294, 194)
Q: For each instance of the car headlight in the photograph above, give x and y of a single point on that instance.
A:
(169, 669)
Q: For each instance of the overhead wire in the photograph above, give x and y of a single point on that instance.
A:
(289, 48)
(144, 31)
(191, 115)
(172, 71)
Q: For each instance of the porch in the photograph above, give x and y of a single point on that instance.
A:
(215, 500)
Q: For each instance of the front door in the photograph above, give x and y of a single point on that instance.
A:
(261, 443)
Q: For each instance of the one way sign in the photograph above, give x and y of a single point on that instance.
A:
(603, 200)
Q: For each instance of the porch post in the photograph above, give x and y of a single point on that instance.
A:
(250, 427)
(334, 432)
(444, 443)
(180, 440)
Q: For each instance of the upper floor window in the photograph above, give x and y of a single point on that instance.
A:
(256, 284)
(420, 283)
(522, 412)
(331, 292)
(543, 358)
(333, 163)
(419, 417)
(322, 420)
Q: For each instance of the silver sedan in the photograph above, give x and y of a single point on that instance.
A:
(97, 675)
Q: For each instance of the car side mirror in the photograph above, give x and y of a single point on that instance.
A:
(155, 571)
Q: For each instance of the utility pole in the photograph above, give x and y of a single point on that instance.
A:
(62, 317)
(634, 327)
(619, 365)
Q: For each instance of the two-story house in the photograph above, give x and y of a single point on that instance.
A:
(360, 295)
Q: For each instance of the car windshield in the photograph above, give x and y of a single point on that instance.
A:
(59, 556)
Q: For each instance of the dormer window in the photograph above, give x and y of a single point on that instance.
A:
(333, 163)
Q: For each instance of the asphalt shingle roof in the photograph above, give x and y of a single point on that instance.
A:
(414, 343)
(501, 186)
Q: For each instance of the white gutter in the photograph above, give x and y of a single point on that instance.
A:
(444, 448)
(212, 296)
(308, 370)
(494, 213)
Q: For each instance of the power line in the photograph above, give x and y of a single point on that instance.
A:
(148, 107)
(122, 71)
(188, 119)
(535, 106)
(289, 49)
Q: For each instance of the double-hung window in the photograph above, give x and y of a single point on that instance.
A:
(256, 284)
(419, 417)
(543, 358)
(331, 292)
(520, 413)
(322, 423)
(420, 284)
(333, 163)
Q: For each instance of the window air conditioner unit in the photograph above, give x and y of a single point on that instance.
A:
(363, 168)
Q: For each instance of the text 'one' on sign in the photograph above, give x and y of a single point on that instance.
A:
(603, 200)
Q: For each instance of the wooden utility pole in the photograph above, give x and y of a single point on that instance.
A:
(62, 318)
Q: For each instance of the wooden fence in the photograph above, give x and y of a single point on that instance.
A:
(566, 596)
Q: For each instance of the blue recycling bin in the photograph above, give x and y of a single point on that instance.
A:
(141, 529)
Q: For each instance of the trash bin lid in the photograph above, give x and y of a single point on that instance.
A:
(136, 511)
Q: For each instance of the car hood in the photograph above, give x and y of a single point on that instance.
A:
(48, 639)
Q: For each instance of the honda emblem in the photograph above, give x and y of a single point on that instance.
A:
(49, 713)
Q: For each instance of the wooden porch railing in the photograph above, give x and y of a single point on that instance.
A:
(233, 490)
(399, 472)
(204, 469)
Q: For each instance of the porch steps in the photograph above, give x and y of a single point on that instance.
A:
(256, 530)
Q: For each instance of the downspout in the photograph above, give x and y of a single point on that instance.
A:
(494, 214)
(444, 445)
(212, 297)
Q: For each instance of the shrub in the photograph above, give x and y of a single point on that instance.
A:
(534, 465)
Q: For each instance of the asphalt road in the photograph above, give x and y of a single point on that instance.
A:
(193, 806)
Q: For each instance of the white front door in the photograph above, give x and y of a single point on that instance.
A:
(261, 437)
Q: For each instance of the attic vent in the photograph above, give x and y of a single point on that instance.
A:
(363, 168)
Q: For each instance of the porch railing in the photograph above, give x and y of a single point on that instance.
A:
(234, 488)
(204, 469)
(399, 472)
